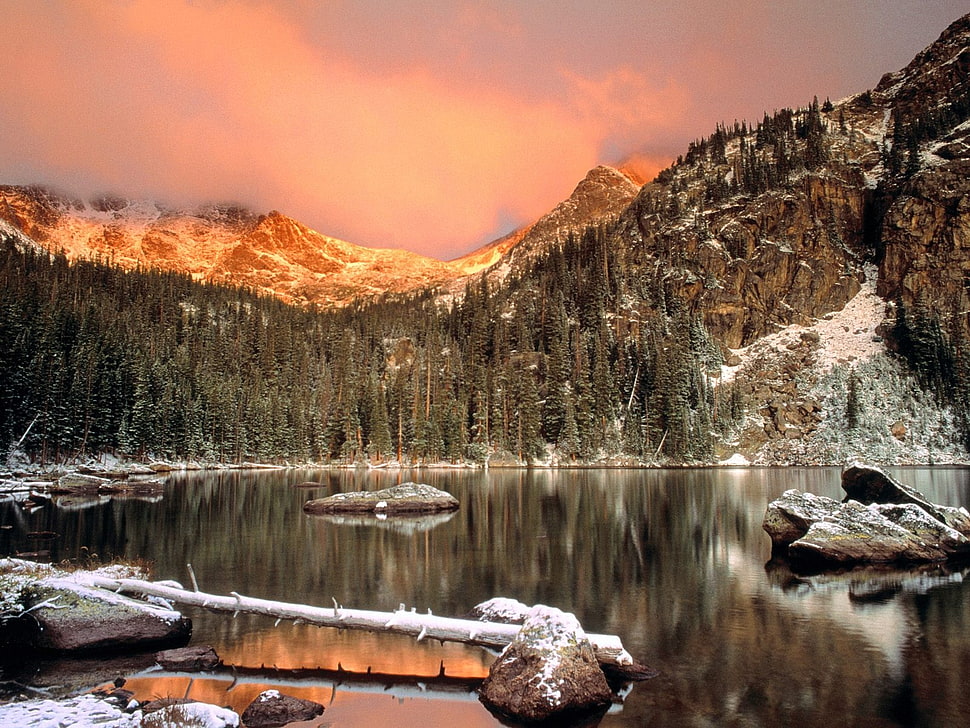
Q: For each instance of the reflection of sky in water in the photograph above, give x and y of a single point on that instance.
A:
(289, 646)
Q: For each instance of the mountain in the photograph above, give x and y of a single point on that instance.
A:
(792, 291)
(597, 200)
(220, 243)
(857, 210)
(274, 253)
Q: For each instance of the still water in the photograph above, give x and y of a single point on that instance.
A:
(673, 561)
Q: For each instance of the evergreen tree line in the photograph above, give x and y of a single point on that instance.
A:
(153, 364)
(934, 343)
(770, 154)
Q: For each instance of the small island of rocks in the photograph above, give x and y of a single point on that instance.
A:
(880, 521)
(406, 499)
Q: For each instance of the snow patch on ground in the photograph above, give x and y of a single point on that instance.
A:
(86, 711)
(844, 337)
(89, 711)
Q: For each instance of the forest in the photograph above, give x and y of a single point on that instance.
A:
(148, 363)
(577, 357)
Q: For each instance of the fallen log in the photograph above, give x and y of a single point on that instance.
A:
(608, 648)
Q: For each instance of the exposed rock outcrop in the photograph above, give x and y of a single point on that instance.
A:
(548, 674)
(897, 526)
(403, 499)
(759, 263)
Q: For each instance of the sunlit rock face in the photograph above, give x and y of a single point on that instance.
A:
(229, 244)
(598, 199)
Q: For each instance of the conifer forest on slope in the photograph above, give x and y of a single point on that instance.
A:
(583, 354)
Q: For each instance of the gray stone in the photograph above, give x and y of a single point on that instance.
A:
(403, 499)
(815, 531)
(71, 618)
(188, 659)
(82, 481)
(867, 485)
(789, 517)
(861, 534)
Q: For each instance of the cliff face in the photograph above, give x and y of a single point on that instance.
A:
(761, 228)
(925, 238)
(755, 265)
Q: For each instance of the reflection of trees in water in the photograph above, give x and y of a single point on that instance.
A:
(672, 561)
(938, 656)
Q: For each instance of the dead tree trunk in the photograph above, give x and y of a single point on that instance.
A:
(609, 649)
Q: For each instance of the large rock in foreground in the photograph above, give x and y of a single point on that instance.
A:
(895, 524)
(403, 499)
(868, 485)
(74, 618)
(548, 673)
(788, 518)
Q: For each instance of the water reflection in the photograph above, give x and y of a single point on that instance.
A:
(407, 525)
(671, 561)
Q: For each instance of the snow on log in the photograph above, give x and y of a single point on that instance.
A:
(608, 648)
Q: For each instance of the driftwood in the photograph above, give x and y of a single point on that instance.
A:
(609, 650)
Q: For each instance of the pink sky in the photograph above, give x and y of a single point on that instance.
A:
(432, 126)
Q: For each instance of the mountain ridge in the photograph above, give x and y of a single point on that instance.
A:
(272, 252)
(794, 291)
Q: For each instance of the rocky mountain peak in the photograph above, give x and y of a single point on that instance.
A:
(938, 75)
(599, 198)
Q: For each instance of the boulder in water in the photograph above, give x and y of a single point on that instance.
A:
(548, 673)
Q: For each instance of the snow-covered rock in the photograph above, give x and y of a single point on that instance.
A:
(500, 609)
(549, 672)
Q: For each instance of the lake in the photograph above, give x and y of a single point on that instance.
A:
(673, 561)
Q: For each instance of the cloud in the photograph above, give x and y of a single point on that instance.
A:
(214, 100)
(396, 124)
